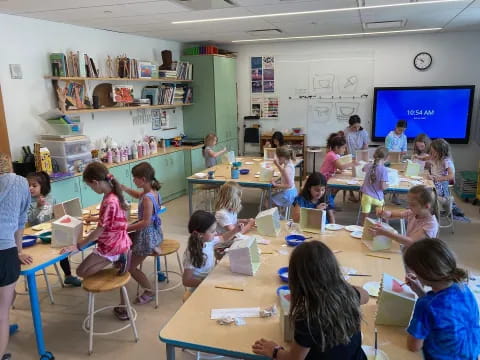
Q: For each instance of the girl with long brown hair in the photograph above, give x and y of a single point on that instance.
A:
(324, 310)
(199, 257)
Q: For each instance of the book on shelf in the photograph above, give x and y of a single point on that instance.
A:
(58, 64)
(184, 71)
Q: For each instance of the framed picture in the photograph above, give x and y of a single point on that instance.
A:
(145, 69)
(156, 119)
(122, 93)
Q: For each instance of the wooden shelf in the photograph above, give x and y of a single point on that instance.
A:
(124, 108)
(76, 78)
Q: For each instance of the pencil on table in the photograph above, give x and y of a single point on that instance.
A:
(379, 256)
(228, 288)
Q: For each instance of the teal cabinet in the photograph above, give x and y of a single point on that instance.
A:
(123, 175)
(89, 197)
(67, 189)
(160, 165)
(198, 161)
(214, 106)
(177, 171)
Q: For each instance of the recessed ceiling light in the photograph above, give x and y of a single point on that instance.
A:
(307, 37)
(324, 11)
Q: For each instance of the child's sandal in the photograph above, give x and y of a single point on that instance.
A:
(143, 299)
(121, 313)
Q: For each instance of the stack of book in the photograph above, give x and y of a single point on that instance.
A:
(171, 74)
(184, 71)
(167, 94)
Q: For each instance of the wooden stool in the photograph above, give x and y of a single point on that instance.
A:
(103, 281)
(167, 247)
(313, 151)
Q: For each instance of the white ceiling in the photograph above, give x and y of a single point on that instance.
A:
(153, 18)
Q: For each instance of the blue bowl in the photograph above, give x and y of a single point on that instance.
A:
(294, 239)
(28, 240)
(244, 171)
(283, 273)
(283, 287)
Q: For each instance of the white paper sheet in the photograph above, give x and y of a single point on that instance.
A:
(235, 313)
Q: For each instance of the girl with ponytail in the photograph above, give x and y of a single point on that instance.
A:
(113, 243)
(148, 229)
(376, 181)
(445, 321)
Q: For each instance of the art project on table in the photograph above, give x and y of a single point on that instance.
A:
(268, 222)
(393, 177)
(379, 242)
(395, 302)
(362, 155)
(413, 168)
(269, 153)
(244, 256)
(285, 323)
(357, 170)
(313, 220)
(346, 159)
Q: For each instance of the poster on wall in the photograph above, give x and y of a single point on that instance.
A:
(262, 77)
(257, 86)
(257, 104)
(270, 107)
(256, 62)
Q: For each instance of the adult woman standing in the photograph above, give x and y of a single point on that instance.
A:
(357, 139)
(14, 202)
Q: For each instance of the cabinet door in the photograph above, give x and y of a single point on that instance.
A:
(67, 189)
(198, 161)
(123, 175)
(178, 171)
(225, 97)
(160, 165)
(89, 197)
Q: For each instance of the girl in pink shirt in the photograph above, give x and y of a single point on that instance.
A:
(113, 243)
(421, 223)
(337, 145)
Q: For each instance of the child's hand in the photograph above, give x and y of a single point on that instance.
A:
(415, 284)
(224, 149)
(322, 206)
(41, 201)
(384, 214)
(238, 227)
(338, 171)
(274, 183)
(264, 347)
(379, 230)
(68, 249)
(25, 259)
(251, 222)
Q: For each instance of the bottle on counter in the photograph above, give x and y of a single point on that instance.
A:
(109, 156)
(129, 153)
(134, 150)
(116, 157)
(140, 149)
(153, 146)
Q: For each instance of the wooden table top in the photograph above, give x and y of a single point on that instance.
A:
(346, 180)
(192, 325)
(223, 171)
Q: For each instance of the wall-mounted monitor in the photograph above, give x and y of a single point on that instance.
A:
(438, 111)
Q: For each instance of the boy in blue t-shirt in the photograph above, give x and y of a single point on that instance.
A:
(396, 140)
(445, 321)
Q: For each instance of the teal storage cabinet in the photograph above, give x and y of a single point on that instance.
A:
(89, 197)
(66, 189)
(198, 161)
(170, 171)
(214, 106)
(123, 175)
(177, 171)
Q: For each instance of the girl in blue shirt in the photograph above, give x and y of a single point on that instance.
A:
(445, 321)
(312, 197)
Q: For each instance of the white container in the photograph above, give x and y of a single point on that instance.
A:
(66, 231)
(72, 162)
(66, 148)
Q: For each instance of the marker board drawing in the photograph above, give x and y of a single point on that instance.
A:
(321, 92)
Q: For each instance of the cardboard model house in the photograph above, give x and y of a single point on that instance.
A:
(266, 174)
(395, 157)
(393, 177)
(345, 159)
(268, 222)
(244, 256)
(357, 170)
(285, 323)
(395, 302)
(269, 153)
(313, 220)
(362, 155)
(413, 168)
(66, 231)
(379, 242)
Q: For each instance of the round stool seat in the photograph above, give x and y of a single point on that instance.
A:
(168, 247)
(105, 280)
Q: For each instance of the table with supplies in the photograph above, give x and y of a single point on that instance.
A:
(222, 174)
(44, 255)
(192, 328)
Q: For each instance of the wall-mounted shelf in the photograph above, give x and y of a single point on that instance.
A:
(124, 108)
(77, 78)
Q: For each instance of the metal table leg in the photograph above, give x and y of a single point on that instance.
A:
(37, 319)
(170, 352)
(190, 194)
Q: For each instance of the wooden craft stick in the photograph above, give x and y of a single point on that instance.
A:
(267, 252)
(379, 256)
(228, 288)
(337, 251)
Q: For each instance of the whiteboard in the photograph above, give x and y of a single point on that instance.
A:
(320, 93)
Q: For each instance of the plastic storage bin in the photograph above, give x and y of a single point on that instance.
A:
(66, 148)
(74, 162)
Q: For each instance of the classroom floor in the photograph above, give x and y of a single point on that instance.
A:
(62, 321)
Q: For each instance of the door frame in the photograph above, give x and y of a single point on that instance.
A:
(4, 142)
